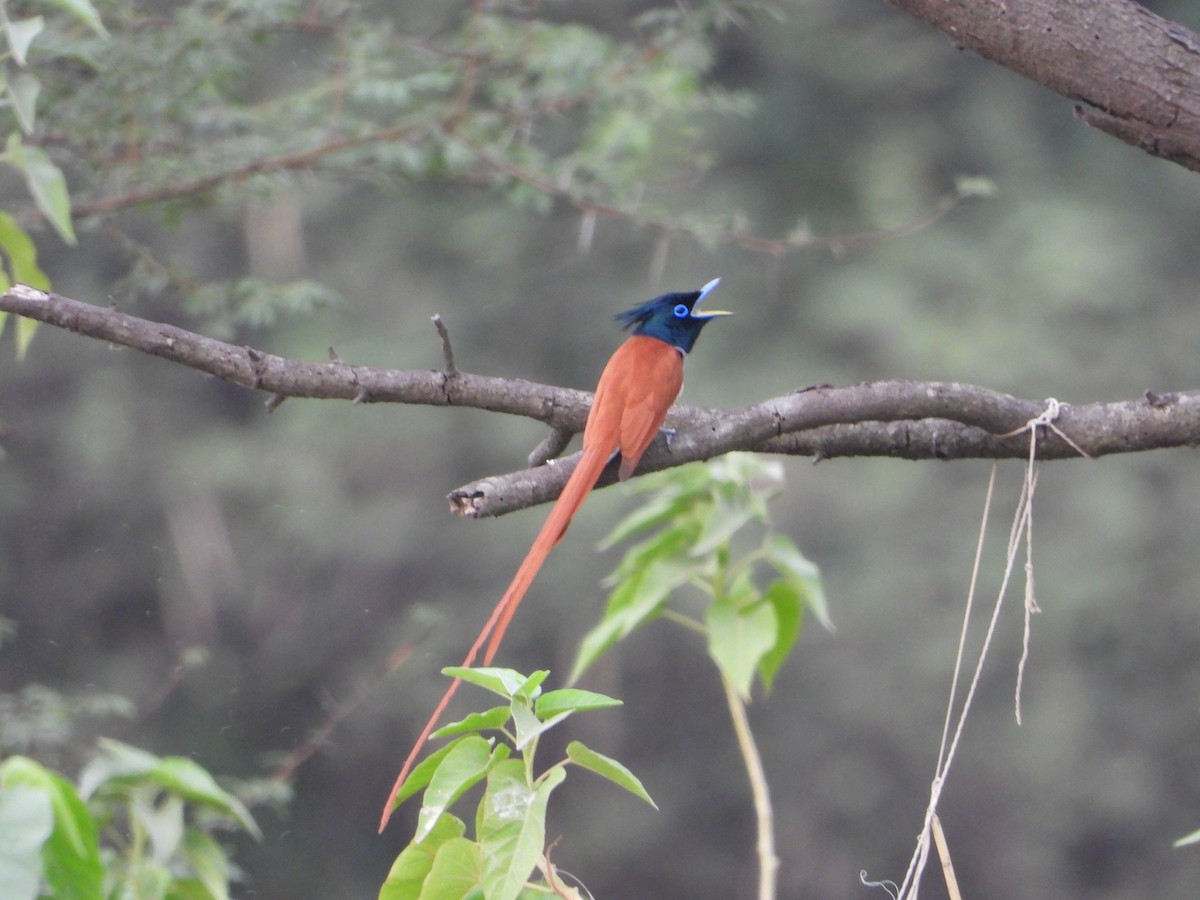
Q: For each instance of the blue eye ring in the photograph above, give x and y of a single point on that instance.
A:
(681, 311)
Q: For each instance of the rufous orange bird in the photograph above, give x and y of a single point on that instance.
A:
(636, 388)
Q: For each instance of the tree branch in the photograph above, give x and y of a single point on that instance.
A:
(1134, 74)
(898, 419)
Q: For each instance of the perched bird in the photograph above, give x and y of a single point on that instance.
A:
(637, 387)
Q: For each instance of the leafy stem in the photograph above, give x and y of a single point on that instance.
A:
(693, 531)
(768, 862)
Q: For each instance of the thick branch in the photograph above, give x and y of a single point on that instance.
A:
(900, 419)
(1134, 74)
(335, 380)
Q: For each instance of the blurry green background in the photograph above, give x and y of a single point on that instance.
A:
(145, 508)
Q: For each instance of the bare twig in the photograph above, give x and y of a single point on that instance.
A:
(800, 239)
(287, 162)
(320, 736)
(447, 350)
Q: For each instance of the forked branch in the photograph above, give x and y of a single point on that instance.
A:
(899, 419)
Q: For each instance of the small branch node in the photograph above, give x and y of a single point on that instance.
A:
(274, 402)
(1162, 401)
(551, 446)
(363, 396)
(257, 365)
(334, 358)
(447, 350)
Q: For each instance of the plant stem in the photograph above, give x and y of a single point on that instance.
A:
(768, 862)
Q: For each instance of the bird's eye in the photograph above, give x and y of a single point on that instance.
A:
(681, 311)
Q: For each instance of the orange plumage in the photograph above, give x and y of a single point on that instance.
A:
(636, 388)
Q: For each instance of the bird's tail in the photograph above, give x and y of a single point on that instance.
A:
(578, 486)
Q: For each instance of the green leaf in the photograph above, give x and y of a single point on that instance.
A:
(26, 822)
(528, 726)
(45, 182)
(457, 871)
(505, 682)
(21, 253)
(118, 762)
(633, 602)
(161, 820)
(466, 764)
(607, 767)
(193, 782)
(492, 720)
(421, 774)
(208, 861)
(23, 90)
(658, 510)
(20, 34)
(801, 573)
(114, 760)
(187, 889)
(26, 329)
(409, 871)
(789, 615)
(739, 637)
(71, 857)
(512, 832)
(727, 516)
(571, 700)
(532, 686)
(671, 546)
(82, 10)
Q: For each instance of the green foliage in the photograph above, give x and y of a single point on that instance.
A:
(42, 176)
(689, 526)
(174, 108)
(694, 513)
(138, 825)
(45, 182)
(36, 720)
(251, 302)
(510, 820)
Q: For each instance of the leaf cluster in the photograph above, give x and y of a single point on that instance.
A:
(20, 89)
(510, 820)
(136, 825)
(687, 529)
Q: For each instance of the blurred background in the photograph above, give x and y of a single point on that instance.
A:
(146, 510)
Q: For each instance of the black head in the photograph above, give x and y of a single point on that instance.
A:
(675, 318)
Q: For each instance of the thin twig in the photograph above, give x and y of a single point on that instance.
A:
(447, 350)
(801, 239)
(320, 735)
(303, 159)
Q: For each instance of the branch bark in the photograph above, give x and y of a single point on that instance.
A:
(1134, 74)
(898, 419)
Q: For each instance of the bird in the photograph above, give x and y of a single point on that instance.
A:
(636, 389)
